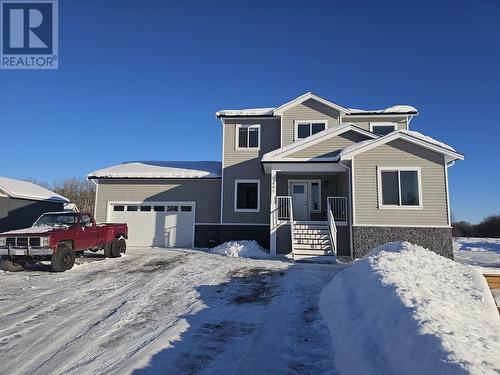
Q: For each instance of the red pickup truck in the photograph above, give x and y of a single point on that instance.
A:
(59, 237)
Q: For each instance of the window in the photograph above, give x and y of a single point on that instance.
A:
(145, 208)
(305, 129)
(118, 208)
(172, 208)
(382, 128)
(400, 187)
(159, 208)
(85, 219)
(132, 208)
(247, 136)
(315, 197)
(186, 208)
(247, 195)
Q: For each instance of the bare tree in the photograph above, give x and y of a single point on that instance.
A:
(79, 191)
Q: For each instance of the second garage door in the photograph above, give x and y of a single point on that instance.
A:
(161, 224)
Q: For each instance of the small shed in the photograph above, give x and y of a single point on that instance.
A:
(22, 202)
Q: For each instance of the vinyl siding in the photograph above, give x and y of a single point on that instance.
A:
(331, 146)
(364, 122)
(205, 192)
(308, 110)
(400, 153)
(245, 164)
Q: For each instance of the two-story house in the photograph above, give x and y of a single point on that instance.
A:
(310, 177)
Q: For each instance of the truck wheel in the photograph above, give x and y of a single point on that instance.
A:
(118, 246)
(107, 250)
(8, 264)
(63, 259)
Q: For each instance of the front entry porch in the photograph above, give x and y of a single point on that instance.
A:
(310, 210)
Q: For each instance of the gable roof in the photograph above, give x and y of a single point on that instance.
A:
(28, 190)
(161, 169)
(307, 96)
(407, 135)
(402, 110)
(283, 152)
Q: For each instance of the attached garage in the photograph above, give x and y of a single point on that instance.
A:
(165, 204)
(159, 224)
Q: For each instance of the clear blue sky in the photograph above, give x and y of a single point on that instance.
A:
(138, 78)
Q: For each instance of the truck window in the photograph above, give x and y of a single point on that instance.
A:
(85, 220)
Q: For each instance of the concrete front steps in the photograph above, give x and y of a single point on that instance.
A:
(311, 242)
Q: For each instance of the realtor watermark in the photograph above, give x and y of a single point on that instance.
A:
(29, 34)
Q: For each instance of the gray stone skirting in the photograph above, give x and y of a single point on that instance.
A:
(207, 235)
(438, 240)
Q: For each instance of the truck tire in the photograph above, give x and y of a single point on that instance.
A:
(63, 259)
(118, 246)
(9, 265)
(107, 250)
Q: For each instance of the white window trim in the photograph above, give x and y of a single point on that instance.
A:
(383, 123)
(309, 192)
(236, 209)
(296, 124)
(399, 206)
(237, 136)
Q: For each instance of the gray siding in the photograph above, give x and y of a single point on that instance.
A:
(309, 110)
(331, 146)
(205, 192)
(21, 213)
(400, 153)
(245, 164)
(365, 121)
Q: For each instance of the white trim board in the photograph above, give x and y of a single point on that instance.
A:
(309, 95)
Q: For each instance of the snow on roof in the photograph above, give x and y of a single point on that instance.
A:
(28, 190)
(427, 139)
(245, 112)
(403, 109)
(161, 169)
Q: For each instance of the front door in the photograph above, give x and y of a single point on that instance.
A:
(299, 200)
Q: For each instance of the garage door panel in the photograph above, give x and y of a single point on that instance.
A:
(169, 224)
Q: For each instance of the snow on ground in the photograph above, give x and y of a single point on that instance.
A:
(165, 311)
(406, 310)
(241, 249)
(483, 252)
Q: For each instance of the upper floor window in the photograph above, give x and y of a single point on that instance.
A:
(248, 136)
(400, 187)
(304, 129)
(382, 128)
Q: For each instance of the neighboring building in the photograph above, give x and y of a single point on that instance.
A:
(349, 179)
(21, 203)
(71, 207)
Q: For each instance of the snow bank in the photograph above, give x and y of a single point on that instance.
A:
(241, 249)
(161, 169)
(406, 310)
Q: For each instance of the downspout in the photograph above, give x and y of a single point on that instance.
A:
(350, 209)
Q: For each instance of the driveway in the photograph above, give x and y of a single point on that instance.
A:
(165, 311)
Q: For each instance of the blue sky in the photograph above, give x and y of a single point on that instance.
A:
(138, 78)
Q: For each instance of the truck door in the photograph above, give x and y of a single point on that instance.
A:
(88, 233)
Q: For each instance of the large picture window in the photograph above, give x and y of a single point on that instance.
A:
(247, 195)
(304, 129)
(399, 187)
(248, 136)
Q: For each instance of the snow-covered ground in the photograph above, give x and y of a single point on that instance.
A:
(406, 310)
(165, 311)
(483, 252)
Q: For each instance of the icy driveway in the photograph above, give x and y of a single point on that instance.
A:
(162, 311)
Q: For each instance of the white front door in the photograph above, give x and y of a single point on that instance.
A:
(299, 200)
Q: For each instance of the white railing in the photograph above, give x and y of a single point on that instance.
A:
(338, 206)
(332, 227)
(284, 211)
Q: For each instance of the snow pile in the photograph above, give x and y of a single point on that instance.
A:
(245, 112)
(241, 249)
(161, 169)
(406, 310)
(28, 190)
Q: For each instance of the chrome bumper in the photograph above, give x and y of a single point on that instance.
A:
(29, 251)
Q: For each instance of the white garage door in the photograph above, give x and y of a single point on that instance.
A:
(162, 224)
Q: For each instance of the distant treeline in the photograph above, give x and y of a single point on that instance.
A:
(489, 227)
